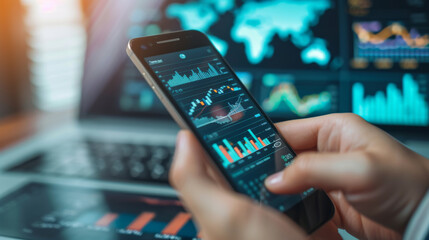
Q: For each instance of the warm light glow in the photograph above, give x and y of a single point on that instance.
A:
(57, 41)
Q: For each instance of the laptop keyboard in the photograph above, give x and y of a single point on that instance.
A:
(103, 160)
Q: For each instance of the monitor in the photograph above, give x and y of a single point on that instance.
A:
(299, 58)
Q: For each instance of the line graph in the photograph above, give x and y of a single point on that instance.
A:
(196, 75)
(286, 95)
(374, 41)
(234, 109)
(412, 38)
(207, 99)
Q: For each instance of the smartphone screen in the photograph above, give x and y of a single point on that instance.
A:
(243, 142)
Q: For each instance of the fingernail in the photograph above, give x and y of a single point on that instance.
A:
(179, 143)
(274, 179)
(179, 139)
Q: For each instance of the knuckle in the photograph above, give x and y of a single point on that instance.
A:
(354, 118)
(368, 166)
(345, 117)
(303, 162)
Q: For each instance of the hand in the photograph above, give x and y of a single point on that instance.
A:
(221, 213)
(372, 178)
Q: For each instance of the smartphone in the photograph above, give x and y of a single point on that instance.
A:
(202, 93)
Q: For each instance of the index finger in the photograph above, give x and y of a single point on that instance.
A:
(302, 134)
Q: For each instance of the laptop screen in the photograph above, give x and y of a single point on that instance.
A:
(298, 58)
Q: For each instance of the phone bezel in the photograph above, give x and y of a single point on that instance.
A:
(160, 44)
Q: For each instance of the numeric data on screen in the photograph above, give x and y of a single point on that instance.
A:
(233, 128)
(212, 98)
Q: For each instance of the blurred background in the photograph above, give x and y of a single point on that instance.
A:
(362, 56)
(299, 58)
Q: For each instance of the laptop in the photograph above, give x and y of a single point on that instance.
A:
(123, 139)
(109, 166)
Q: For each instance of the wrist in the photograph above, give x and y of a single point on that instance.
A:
(418, 226)
(422, 189)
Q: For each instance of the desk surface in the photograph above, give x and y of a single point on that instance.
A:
(16, 128)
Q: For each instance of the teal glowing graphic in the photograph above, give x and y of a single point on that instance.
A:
(394, 107)
(201, 16)
(285, 96)
(230, 153)
(316, 53)
(246, 78)
(258, 22)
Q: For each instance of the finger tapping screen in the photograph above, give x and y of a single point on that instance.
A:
(234, 130)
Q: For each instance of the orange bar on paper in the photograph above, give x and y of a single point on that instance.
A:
(238, 152)
(223, 150)
(260, 140)
(254, 145)
(177, 223)
(106, 220)
(141, 221)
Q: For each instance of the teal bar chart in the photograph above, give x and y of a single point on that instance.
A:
(394, 106)
(232, 152)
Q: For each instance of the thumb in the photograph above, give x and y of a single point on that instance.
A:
(189, 170)
(190, 176)
(328, 171)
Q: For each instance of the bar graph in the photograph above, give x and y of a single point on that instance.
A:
(106, 220)
(176, 224)
(85, 213)
(393, 107)
(231, 152)
(196, 75)
(141, 221)
(146, 222)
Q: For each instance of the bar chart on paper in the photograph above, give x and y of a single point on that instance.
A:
(84, 213)
(393, 107)
(147, 222)
(151, 221)
(231, 152)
